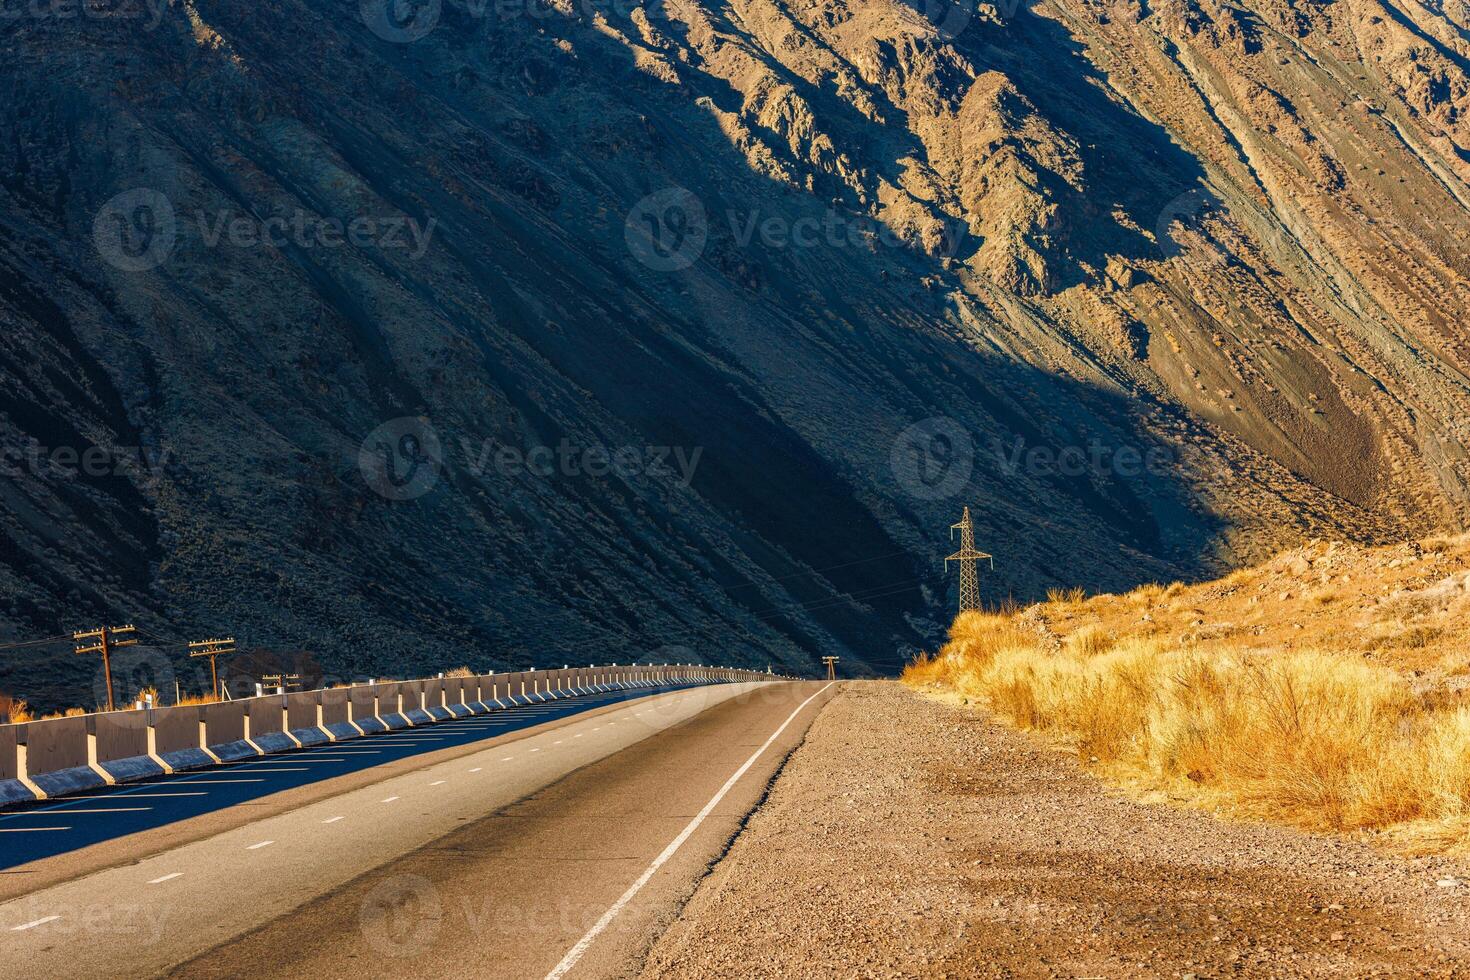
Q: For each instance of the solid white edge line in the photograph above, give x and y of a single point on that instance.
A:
(575, 953)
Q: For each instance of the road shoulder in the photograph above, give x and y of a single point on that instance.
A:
(911, 838)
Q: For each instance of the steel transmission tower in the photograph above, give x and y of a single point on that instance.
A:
(967, 556)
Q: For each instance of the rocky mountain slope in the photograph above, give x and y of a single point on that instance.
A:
(357, 304)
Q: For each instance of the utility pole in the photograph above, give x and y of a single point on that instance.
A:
(967, 556)
(213, 649)
(281, 681)
(831, 663)
(107, 641)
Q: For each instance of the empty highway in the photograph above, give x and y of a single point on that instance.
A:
(559, 849)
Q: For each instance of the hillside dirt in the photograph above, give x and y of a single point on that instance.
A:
(1404, 606)
(907, 837)
(1158, 287)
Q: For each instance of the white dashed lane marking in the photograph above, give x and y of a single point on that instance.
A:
(169, 877)
(37, 922)
(256, 847)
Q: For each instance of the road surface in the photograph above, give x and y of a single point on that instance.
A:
(34, 831)
(563, 850)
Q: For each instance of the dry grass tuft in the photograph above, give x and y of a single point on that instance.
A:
(15, 711)
(1320, 739)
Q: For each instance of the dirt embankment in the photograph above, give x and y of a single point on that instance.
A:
(910, 838)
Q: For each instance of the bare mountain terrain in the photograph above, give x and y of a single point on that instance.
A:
(410, 333)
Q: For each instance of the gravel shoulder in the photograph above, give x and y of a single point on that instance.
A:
(907, 837)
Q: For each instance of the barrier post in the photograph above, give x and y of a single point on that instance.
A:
(321, 717)
(153, 743)
(22, 767)
(352, 713)
(92, 763)
(286, 718)
(204, 738)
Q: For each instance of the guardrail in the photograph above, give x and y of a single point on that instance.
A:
(60, 756)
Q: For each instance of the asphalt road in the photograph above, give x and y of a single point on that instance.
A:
(558, 851)
(34, 831)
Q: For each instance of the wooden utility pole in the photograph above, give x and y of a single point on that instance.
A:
(213, 649)
(107, 638)
(831, 663)
(281, 681)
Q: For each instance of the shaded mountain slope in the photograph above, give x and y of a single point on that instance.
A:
(1223, 239)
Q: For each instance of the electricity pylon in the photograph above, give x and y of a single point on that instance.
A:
(967, 556)
(831, 663)
(107, 641)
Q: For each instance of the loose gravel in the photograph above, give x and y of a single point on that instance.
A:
(910, 838)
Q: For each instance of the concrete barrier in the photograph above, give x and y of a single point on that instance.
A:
(176, 738)
(303, 718)
(266, 721)
(434, 698)
(12, 790)
(68, 755)
(414, 701)
(394, 700)
(60, 756)
(224, 731)
(125, 745)
(364, 703)
(333, 716)
(477, 693)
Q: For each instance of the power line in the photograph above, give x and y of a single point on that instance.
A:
(24, 644)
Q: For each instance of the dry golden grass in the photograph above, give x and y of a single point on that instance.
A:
(1323, 738)
(15, 710)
